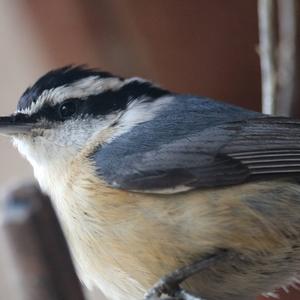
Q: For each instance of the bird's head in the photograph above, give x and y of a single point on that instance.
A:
(58, 116)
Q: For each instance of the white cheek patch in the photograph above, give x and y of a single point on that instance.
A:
(59, 143)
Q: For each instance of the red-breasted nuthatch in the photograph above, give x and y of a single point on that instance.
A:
(146, 181)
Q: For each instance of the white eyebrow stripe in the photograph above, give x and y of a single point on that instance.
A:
(82, 88)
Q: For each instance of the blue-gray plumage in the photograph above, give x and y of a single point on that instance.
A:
(198, 142)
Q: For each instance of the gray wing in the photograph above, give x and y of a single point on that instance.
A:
(230, 153)
(267, 146)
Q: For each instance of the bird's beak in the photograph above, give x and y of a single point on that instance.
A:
(15, 124)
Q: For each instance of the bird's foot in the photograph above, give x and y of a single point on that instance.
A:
(163, 292)
(168, 287)
(184, 295)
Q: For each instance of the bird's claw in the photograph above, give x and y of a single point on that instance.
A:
(168, 287)
(164, 291)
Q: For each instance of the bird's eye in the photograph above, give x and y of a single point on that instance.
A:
(67, 109)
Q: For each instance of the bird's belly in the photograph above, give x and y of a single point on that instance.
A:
(124, 242)
(97, 258)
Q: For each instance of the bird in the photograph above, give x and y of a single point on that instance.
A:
(147, 182)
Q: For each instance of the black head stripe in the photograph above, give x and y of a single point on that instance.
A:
(56, 78)
(106, 102)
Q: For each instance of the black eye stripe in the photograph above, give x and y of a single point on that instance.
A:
(117, 100)
(52, 113)
(103, 103)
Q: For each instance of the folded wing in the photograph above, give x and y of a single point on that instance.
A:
(227, 154)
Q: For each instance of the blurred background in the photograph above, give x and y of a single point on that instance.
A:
(202, 47)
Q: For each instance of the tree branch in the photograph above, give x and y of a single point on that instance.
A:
(267, 51)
